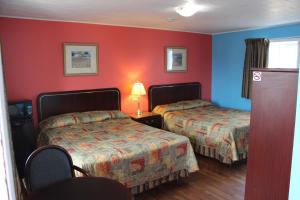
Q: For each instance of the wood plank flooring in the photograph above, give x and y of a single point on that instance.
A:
(214, 181)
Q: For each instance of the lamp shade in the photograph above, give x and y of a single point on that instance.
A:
(138, 89)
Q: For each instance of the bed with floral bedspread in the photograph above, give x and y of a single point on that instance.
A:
(215, 132)
(110, 144)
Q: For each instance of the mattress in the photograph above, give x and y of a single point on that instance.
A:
(122, 149)
(215, 132)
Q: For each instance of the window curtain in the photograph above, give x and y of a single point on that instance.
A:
(256, 56)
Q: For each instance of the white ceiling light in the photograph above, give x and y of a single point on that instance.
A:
(188, 9)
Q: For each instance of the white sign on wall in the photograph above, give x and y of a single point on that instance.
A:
(257, 76)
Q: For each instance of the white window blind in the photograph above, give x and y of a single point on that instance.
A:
(284, 53)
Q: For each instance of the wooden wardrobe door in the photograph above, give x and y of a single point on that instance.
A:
(271, 135)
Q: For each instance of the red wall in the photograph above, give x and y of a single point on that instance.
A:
(33, 58)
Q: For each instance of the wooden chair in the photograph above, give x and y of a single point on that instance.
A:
(48, 165)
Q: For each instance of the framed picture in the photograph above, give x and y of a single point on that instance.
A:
(176, 59)
(80, 59)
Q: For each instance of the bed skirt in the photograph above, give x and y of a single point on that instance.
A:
(152, 184)
(212, 153)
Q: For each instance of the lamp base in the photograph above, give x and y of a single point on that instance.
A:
(139, 113)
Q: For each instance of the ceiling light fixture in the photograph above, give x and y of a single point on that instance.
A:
(188, 9)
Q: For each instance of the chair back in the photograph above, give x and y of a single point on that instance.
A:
(47, 165)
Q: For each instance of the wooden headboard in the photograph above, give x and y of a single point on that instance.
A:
(55, 103)
(171, 93)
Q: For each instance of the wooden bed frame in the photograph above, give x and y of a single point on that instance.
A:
(171, 93)
(55, 103)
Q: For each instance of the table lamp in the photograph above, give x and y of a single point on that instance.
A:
(137, 91)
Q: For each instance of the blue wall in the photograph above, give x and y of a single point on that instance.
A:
(228, 63)
(295, 173)
(227, 74)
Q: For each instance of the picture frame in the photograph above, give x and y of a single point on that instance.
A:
(176, 59)
(80, 59)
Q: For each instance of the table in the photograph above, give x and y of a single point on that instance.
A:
(90, 188)
(148, 118)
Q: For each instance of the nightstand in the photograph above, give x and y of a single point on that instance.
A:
(148, 118)
(23, 133)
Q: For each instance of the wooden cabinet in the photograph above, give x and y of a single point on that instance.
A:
(23, 133)
(271, 134)
(148, 118)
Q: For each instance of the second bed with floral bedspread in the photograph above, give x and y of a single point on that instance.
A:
(110, 144)
(215, 132)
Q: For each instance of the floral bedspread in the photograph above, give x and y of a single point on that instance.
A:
(123, 149)
(214, 131)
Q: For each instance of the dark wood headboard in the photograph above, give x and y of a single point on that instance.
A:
(55, 103)
(171, 93)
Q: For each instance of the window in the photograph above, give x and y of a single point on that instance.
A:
(284, 53)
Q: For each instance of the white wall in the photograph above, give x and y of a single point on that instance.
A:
(7, 183)
(295, 173)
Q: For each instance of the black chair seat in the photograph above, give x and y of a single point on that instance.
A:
(48, 165)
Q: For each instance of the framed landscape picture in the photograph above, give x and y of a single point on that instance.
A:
(176, 59)
(80, 59)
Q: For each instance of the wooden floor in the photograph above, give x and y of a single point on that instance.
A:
(214, 181)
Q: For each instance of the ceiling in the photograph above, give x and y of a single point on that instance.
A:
(217, 16)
